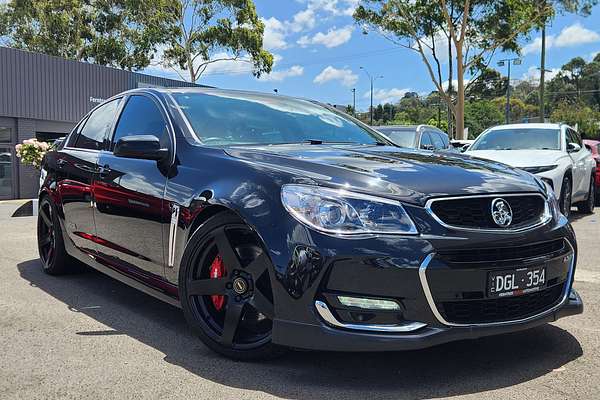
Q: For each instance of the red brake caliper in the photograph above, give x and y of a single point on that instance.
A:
(217, 270)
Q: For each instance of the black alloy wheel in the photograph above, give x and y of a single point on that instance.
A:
(587, 206)
(53, 255)
(225, 290)
(565, 196)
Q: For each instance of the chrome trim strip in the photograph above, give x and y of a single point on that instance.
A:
(440, 318)
(547, 215)
(324, 312)
(173, 233)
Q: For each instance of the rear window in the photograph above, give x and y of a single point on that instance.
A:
(401, 137)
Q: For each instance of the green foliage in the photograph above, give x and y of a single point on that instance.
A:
(202, 32)
(584, 117)
(443, 123)
(480, 115)
(119, 33)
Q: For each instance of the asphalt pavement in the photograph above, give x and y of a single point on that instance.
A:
(87, 336)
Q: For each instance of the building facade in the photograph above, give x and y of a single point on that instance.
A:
(43, 97)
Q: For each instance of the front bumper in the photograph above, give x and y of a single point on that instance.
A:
(409, 270)
(323, 337)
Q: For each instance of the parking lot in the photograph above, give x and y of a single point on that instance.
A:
(88, 336)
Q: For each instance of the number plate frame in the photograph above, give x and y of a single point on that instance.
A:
(516, 282)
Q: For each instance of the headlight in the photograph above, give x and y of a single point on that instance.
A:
(539, 170)
(553, 205)
(342, 212)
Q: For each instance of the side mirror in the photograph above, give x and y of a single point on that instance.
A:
(143, 147)
(573, 147)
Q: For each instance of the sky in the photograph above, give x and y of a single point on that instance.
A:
(319, 52)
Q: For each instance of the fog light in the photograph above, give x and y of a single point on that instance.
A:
(369, 304)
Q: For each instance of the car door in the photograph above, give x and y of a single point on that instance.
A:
(75, 166)
(129, 195)
(581, 172)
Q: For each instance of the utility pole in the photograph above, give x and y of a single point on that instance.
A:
(354, 102)
(372, 79)
(542, 75)
(508, 62)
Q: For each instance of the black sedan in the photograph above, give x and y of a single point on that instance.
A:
(276, 222)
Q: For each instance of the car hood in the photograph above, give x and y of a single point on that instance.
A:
(408, 175)
(520, 158)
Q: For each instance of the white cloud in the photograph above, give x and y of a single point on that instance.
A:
(275, 33)
(536, 45)
(575, 35)
(533, 74)
(570, 36)
(386, 95)
(593, 55)
(333, 7)
(303, 20)
(333, 38)
(280, 75)
(344, 75)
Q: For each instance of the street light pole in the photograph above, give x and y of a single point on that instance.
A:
(508, 61)
(372, 79)
(354, 102)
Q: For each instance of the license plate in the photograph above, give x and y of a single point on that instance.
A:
(516, 282)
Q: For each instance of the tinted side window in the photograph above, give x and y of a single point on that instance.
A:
(445, 140)
(426, 142)
(141, 116)
(96, 128)
(438, 144)
(573, 137)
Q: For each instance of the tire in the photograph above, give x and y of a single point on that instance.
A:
(225, 290)
(587, 206)
(51, 246)
(565, 196)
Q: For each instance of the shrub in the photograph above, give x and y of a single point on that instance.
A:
(31, 152)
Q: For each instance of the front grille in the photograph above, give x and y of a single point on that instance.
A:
(548, 249)
(475, 212)
(501, 309)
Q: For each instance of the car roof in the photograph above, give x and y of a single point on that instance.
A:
(215, 91)
(527, 126)
(407, 127)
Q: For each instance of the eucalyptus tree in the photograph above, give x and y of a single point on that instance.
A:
(119, 33)
(205, 32)
(476, 29)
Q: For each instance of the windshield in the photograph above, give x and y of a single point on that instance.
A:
(230, 118)
(404, 137)
(519, 139)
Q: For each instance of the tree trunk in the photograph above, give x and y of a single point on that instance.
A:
(190, 65)
(450, 77)
(460, 94)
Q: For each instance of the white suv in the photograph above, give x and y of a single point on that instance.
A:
(554, 152)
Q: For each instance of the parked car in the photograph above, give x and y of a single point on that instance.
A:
(275, 222)
(594, 147)
(554, 152)
(424, 137)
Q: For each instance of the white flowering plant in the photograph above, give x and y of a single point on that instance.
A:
(31, 152)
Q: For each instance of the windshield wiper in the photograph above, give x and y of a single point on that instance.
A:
(321, 141)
